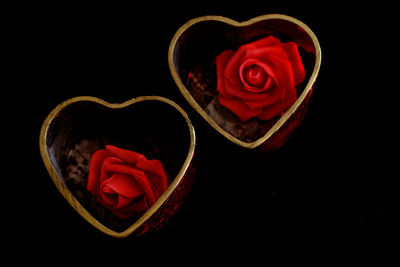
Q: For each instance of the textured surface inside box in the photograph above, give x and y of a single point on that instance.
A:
(193, 57)
(82, 128)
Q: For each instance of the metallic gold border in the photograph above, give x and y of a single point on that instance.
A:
(197, 107)
(68, 195)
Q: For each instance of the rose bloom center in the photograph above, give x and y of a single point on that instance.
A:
(255, 76)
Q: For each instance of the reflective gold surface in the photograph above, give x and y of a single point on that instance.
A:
(69, 196)
(228, 21)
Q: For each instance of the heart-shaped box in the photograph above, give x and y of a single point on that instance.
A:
(191, 58)
(151, 125)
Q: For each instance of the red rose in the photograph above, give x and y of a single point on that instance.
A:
(259, 79)
(125, 182)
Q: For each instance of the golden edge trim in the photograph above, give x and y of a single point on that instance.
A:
(226, 20)
(68, 195)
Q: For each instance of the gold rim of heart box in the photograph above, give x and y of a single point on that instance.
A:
(69, 196)
(75, 203)
(229, 21)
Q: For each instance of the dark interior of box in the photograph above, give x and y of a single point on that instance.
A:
(152, 128)
(194, 60)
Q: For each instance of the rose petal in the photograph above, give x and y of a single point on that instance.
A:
(140, 178)
(297, 64)
(237, 106)
(264, 42)
(271, 80)
(107, 198)
(156, 174)
(96, 162)
(137, 206)
(233, 83)
(122, 184)
(239, 91)
(252, 75)
(283, 72)
(122, 191)
(123, 201)
(262, 53)
(273, 110)
(272, 91)
(221, 61)
(275, 96)
(106, 174)
(231, 68)
(123, 154)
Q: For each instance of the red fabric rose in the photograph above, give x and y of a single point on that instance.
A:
(125, 182)
(259, 79)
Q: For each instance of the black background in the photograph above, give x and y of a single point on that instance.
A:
(325, 194)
